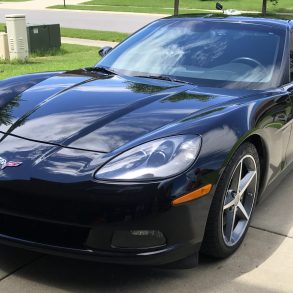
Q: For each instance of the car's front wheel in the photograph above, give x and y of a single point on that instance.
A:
(233, 203)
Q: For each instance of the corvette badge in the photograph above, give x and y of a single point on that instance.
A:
(4, 163)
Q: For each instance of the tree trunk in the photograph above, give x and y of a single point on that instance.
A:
(264, 7)
(176, 7)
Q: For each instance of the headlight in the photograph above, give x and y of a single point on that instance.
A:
(153, 160)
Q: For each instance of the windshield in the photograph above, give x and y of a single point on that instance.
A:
(208, 53)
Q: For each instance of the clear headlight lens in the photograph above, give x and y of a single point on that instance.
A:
(153, 160)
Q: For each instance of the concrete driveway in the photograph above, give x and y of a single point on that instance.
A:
(263, 264)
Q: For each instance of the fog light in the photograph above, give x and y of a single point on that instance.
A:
(137, 239)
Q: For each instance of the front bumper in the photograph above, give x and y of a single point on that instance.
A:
(182, 226)
(157, 258)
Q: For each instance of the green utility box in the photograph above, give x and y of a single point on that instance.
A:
(43, 37)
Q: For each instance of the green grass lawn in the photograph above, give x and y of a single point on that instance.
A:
(93, 34)
(69, 57)
(88, 34)
(186, 6)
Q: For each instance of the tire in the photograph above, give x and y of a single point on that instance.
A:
(220, 239)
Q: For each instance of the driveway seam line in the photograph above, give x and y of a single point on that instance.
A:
(21, 267)
(272, 232)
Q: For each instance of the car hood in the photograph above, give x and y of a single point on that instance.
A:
(90, 111)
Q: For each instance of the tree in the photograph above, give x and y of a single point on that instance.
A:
(264, 7)
(176, 7)
(265, 4)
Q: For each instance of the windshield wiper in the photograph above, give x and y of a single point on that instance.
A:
(164, 77)
(102, 70)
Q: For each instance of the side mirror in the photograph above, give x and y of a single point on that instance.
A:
(219, 6)
(104, 51)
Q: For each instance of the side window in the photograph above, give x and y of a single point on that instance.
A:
(291, 57)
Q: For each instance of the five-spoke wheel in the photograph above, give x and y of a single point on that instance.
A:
(233, 203)
(239, 200)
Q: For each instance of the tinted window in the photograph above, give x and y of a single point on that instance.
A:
(209, 53)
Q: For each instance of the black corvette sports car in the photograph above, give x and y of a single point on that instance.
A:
(158, 152)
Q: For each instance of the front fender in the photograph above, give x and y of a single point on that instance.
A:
(267, 118)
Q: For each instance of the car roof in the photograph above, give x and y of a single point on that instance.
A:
(230, 19)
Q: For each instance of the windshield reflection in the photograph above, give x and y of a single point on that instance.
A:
(210, 53)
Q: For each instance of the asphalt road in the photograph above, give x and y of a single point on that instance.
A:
(121, 22)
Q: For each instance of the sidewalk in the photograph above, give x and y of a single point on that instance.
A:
(36, 4)
(86, 42)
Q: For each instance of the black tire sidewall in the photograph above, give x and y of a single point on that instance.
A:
(214, 225)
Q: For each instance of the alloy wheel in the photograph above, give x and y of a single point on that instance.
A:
(239, 200)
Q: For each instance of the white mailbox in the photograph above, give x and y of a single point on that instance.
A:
(4, 51)
(17, 36)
